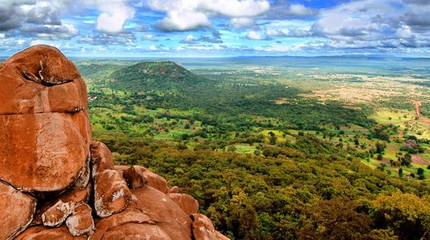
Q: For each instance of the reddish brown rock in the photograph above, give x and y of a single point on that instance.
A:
(101, 157)
(20, 95)
(151, 215)
(133, 178)
(84, 176)
(150, 178)
(44, 128)
(57, 214)
(16, 211)
(186, 202)
(111, 194)
(203, 229)
(81, 221)
(132, 231)
(174, 189)
(43, 233)
(75, 195)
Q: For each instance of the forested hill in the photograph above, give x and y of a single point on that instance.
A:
(154, 75)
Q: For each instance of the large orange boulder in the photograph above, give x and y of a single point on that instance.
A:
(57, 214)
(186, 202)
(150, 178)
(111, 193)
(16, 211)
(44, 233)
(203, 229)
(151, 215)
(44, 126)
(81, 221)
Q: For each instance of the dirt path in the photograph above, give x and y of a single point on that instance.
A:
(417, 107)
(418, 159)
(400, 132)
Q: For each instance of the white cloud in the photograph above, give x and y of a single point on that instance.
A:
(51, 32)
(299, 10)
(276, 32)
(360, 24)
(185, 15)
(242, 22)
(183, 21)
(114, 15)
(254, 35)
(404, 32)
(296, 32)
(189, 39)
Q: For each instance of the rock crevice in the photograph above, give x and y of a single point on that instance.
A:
(57, 183)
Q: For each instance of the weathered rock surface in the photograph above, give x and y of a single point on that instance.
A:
(16, 211)
(186, 202)
(133, 178)
(57, 214)
(150, 178)
(44, 130)
(157, 215)
(111, 193)
(46, 151)
(81, 221)
(101, 157)
(203, 228)
(44, 233)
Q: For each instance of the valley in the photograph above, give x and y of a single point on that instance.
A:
(261, 141)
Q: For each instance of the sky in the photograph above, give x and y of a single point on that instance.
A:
(217, 28)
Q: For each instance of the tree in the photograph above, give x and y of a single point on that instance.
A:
(402, 212)
(380, 147)
(420, 172)
(400, 172)
(336, 219)
(407, 159)
(272, 139)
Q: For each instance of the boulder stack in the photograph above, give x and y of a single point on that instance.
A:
(57, 183)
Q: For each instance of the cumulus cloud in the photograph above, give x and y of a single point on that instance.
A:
(149, 37)
(299, 10)
(422, 2)
(114, 15)
(183, 15)
(359, 19)
(51, 32)
(242, 22)
(191, 40)
(283, 9)
(253, 35)
(16, 13)
(418, 19)
(13, 13)
(296, 32)
(127, 39)
(183, 21)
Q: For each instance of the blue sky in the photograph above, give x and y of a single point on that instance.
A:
(218, 28)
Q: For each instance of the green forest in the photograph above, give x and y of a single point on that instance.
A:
(265, 160)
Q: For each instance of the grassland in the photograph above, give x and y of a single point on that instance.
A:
(269, 133)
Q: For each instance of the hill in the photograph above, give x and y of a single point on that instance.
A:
(154, 75)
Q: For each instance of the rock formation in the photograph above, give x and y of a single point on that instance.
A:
(57, 183)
